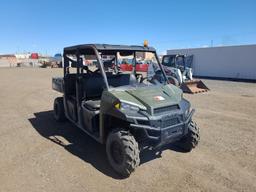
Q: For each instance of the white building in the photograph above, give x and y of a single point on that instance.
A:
(23, 55)
(235, 62)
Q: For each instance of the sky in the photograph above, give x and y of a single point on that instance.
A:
(47, 26)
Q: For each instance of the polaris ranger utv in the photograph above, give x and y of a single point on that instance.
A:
(127, 111)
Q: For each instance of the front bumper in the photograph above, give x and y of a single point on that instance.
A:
(163, 135)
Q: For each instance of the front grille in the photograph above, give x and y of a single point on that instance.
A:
(170, 122)
(143, 122)
(165, 109)
(163, 123)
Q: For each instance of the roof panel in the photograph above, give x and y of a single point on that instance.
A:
(102, 47)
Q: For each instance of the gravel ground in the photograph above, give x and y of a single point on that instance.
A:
(38, 154)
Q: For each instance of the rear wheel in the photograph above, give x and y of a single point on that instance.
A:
(58, 109)
(123, 152)
(192, 139)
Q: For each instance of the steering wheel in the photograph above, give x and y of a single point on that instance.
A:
(87, 69)
(158, 76)
(96, 71)
(140, 77)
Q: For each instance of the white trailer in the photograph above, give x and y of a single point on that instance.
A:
(232, 62)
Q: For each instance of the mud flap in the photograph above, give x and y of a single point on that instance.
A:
(194, 86)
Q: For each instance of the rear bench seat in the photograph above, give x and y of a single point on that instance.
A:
(93, 86)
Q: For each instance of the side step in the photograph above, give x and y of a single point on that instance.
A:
(194, 86)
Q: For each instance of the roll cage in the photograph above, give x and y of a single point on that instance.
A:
(96, 49)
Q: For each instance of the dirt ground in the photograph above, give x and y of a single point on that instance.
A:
(38, 154)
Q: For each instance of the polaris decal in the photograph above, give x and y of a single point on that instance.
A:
(159, 98)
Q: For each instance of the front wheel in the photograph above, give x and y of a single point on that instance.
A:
(192, 139)
(123, 152)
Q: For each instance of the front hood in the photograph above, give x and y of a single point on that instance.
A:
(151, 97)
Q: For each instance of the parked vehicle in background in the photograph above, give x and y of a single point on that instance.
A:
(34, 56)
(141, 66)
(127, 65)
(178, 68)
(51, 62)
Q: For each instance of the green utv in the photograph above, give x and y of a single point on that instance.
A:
(129, 111)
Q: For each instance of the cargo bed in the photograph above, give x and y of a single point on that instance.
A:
(58, 84)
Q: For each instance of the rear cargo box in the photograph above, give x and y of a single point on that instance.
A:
(57, 84)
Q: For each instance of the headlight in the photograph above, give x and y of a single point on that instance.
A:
(127, 107)
(123, 106)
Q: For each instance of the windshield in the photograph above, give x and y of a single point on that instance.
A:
(169, 61)
(124, 68)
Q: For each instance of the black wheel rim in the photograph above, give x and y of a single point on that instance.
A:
(117, 153)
